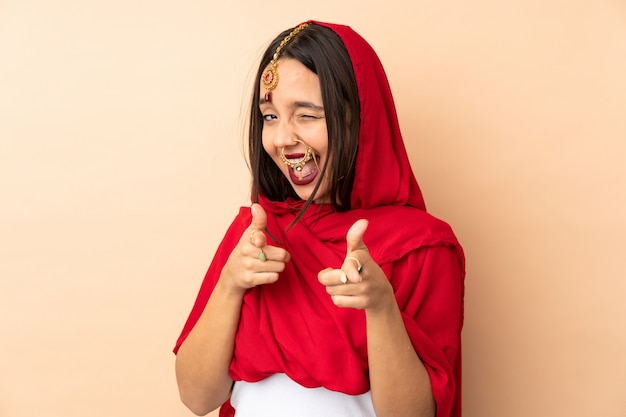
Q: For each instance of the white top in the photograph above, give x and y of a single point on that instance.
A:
(280, 396)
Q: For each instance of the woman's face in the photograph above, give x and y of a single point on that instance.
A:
(293, 119)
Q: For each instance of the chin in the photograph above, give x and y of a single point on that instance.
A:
(303, 195)
(320, 196)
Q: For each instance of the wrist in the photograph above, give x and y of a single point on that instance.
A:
(226, 290)
(386, 305)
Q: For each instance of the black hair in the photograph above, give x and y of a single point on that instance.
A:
(322, 51)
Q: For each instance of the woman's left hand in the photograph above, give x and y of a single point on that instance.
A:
(360, 283)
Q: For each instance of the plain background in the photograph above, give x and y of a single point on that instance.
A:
(122, 164)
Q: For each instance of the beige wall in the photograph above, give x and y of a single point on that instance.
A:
(121, 166)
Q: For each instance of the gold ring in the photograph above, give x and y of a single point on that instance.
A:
(359, 267)
(251, 238)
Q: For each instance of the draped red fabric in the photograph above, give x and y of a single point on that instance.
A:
(293, 327)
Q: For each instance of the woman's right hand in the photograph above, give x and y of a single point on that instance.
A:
(203, 360)
(252, 262)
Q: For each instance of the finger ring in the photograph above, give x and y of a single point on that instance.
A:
(344, 278)
(251, 238)
(262, 256)
(359, 267)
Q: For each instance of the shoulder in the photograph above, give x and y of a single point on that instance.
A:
(394, 231)
(404, 219)
(241, 221)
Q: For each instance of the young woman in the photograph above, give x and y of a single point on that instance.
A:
(335, 293)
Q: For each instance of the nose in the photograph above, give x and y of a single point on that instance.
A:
(285, 134)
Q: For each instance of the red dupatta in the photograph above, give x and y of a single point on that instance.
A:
(293, 327)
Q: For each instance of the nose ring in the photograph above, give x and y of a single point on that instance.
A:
(297, 165)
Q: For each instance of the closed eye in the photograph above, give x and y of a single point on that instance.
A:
(310, 116)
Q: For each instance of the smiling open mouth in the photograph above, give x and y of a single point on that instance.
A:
(303, 168)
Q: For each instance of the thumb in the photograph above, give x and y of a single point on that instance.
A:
(354, 237)
(259, 218)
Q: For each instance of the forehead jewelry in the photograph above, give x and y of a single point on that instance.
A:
(270, 75)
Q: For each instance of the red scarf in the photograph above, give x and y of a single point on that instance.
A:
(293, 327)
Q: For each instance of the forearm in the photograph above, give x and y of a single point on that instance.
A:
(203, 360)
(399, 381)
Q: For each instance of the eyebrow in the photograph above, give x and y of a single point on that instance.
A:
(308, 105)
(298, 104)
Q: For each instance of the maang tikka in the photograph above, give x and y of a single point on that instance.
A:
(270, 75)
